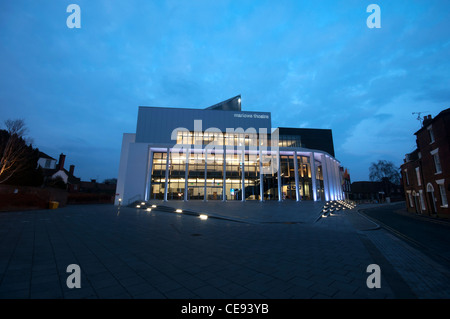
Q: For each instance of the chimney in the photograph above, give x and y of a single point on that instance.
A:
(426, 120)
(71, 169)
(62, 158)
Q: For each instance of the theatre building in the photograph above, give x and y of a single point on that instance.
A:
(223, 153)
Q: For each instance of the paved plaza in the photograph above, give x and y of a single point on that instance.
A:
(243, 250)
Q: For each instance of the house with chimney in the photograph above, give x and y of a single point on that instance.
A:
(53, 169)
(426, 170)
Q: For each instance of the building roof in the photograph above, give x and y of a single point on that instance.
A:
(427, 122)
(43, 155)
(346, 174)
(367, 187)
(71, 179)
(413, 156)
(233, 104)
(313, 138)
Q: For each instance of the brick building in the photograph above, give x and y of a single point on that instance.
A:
(426, 171)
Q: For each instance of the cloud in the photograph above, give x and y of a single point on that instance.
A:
(313, 64)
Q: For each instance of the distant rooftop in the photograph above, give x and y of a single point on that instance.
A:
(43, 155)
(233, 104)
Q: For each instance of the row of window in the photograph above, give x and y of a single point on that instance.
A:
(219, 138)
(213, 179)
(235, 139)
(437, 167)
(416, 199)
(289, 141)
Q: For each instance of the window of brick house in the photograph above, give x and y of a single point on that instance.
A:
(430, 134)
(419, 182)
(442, 192)
(406, 176)
(437, 162)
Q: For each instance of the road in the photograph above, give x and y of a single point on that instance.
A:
(430, 236)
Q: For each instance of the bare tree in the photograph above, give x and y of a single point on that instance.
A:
(384, 171)
(13, 149)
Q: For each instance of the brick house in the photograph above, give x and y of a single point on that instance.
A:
(380, 192)
(426, 170)
(52, 169)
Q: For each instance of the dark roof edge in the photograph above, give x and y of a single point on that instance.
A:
(213, 107)
(441, 113)
(43, 155)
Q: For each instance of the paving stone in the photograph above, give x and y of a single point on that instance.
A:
(140, 255)
(15, 294)
(139, 289)
(79, 293)
(151, 294)
(301, 282)
(168, 286)
(299, 292)
(180, 293)
(324, 290)
(116, 292)
(209, 292)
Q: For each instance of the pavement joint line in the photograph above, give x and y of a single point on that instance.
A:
(54, 258)
(435, 220)
(237, 220)
(410, 240)
(360, 213)
(197, 214)
(10, 258)
(321, 215)
(394, 280)
(78, 263)
(104, 250)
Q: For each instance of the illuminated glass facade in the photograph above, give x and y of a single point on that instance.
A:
(234, 156)
(207, 177)
(158, 182)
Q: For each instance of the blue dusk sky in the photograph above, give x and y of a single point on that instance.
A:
(312, 64)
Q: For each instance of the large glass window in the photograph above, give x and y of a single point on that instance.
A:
(289, 141)
(177, 166)
(287, 177)
(304, 177)
(158, 175)
(196, 176)
(233, 187)
(270, 176)
(214, 176)
(319, 181)
(219, 138)
(251, 173)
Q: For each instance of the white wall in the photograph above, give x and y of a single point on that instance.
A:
(41, 162)
(136, 172)
(61, 174)
(127, 139)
